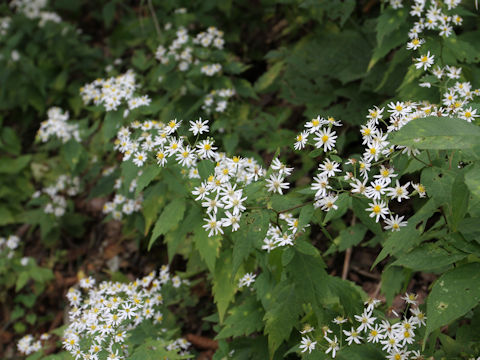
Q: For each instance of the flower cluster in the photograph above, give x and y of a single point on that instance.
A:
(114, 92)
(57, 202)
(8, 245)
(33, 9)
(57, 125)
(4, 25)
(221, 194)
(435, 17)
(217, 100)
(183, 48)
(396, 337)
(121, 205)
(102, 317)
(283, 233)
(28, 345)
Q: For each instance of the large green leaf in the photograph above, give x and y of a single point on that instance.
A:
(438, 133)
(207, 246)
(243, 319)
(224, 286)
(453, 294)
(168, 220)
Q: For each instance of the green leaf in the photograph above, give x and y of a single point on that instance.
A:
(268, 78)
(71, 152)
(459, 205)
(207, 246)
(243, 319)
(349, 237)
(224, 286)
(14, 166)
(305, 216)
(205, 168)
(253, 228)
(472, 179)
(453, 295)
(389, 21)
(360, 352)
(283, 316)
(403, 240)
(230, 142)
(393, 281)
(437, 133)
(22, 280)
(343, 202)
(428, 257)
(359, 205)
(168, 220)
(147, 177)
(112, 122)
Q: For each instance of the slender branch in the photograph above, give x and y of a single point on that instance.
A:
(293, 208)
(423, 162)
(154, 17)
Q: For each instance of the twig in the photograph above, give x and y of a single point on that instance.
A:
(423, 162)
(346, 263)
(155, 19)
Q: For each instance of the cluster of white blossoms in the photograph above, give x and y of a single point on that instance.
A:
(183, 48)
(395, 337)
(121, 205)
(114, 92)
(5, 25)
(217, 100)
(34, 9)
(56, 125)
(28, 345)
(372, 175)
(8, 245)
(437, 17)
(221, 193)
(102, 317)
(283, 233)
(57, 202)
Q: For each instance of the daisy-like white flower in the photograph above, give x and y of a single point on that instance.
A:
(395, 223)
(332, 346)
(419, 317)
(371, 303)
(366, 321)
(139, 158)
(398, 109)
(374, 335)
(424, 61)
(468, 114)
(376, 189)
(326, 138)
(275, 183)
(339, 320)
(314, 124)
(172, 126)
(415, 44)
(374, 115)
(281, 168)
(213, 225)
(198, 127)
(358, 186)
(232, 220)
(205, 149)
(352, 336)
(420, 189)
(307, 344)
(398, 192)
(328, 202)
(329, 168)
(410, 298)
(378, 209)
(247, 280)
(306, 329)
(301, 140)
(320, 185)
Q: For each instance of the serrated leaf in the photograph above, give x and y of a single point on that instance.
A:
(472, 179)
(112, 122)
(253, 228)
(169, 219)
(147, 177)
(243, 319)
(268, 78)
(437, 133)
(283, 316)
(224, 286)
(453, 295)
(428, 257)
(207, 246)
